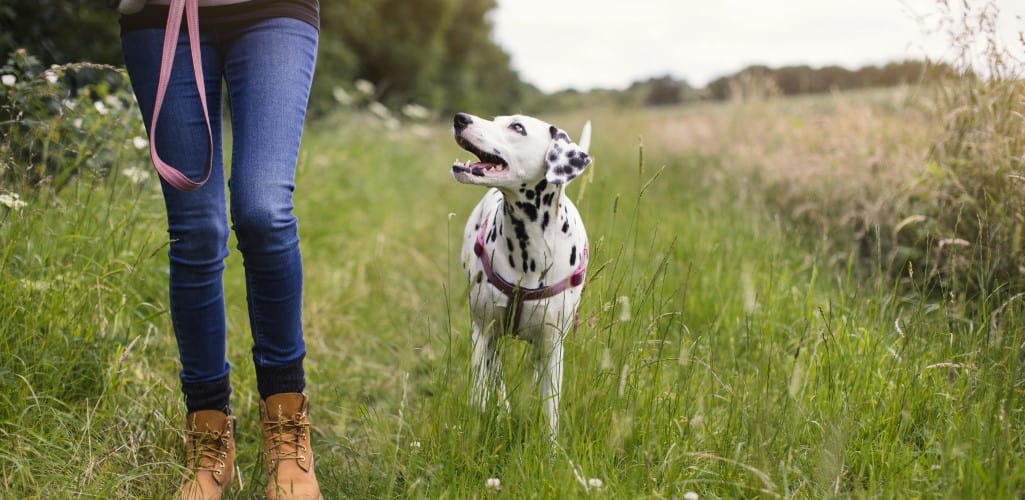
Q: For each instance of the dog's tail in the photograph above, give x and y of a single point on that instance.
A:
(585, 137)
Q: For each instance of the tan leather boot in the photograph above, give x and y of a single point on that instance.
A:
(209, 455)
(288, 458)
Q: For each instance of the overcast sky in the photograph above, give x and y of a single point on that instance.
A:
(584, 44)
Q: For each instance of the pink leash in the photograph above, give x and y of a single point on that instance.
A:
(521, 293)
(170, 174)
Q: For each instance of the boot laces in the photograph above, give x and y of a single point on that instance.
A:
(209, 450)
(287, 438)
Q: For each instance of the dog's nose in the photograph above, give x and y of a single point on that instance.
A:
(461, 121)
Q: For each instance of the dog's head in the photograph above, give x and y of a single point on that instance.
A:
(513, 150)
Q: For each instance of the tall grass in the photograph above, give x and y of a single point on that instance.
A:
(927, 176)
(732, 341)
(720, 350)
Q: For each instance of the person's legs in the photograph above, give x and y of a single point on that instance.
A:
(198, 229)
(197, 222)
(269, 69)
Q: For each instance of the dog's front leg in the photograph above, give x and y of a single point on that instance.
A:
(549, 368)
(487, 368)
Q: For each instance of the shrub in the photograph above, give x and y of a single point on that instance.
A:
(60, 122)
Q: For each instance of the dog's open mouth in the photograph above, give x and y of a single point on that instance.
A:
(490, 164)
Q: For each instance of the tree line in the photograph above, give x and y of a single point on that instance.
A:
(436, 53)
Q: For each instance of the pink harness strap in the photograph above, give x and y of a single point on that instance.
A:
(515, 292)
(170, 174)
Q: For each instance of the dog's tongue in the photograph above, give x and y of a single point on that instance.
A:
(478, 168)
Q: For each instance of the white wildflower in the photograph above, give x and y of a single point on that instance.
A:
(9, 80)
(493, 484)
(100, 107)
(595, 483)
(140, 142)
(343, 97)
(624, 308)
(114, 102)
(420, 131)
(379, 110)
(415, 445)
(35, 285)
(606, 360)
(77, 123)
(415, 112)
(690, 495)
(364, 87)
(50, 76)
(136, 174)
(12, 201)
(68, 103)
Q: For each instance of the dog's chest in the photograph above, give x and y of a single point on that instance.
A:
(531, 242)
(529, 245)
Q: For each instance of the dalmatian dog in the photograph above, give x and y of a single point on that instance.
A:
(524, 247)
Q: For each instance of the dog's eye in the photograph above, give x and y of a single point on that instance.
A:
(518, 128)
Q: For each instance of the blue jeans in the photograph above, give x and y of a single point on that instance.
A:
(267, 67)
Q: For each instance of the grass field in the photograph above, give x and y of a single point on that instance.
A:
(723, 349)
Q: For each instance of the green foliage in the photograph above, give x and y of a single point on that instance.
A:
(49, 128)
(436, 53)
(60, 31)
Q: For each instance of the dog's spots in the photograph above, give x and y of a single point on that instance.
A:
(547, 199)
(565, 227)
(573, 255)
(512, 263)
(533, 265)
(508, 244)
(528, 209)
(480, 276)
(544, 221)
(530, 195)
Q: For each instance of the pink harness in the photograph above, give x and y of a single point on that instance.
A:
(517, 294)
(172, 175)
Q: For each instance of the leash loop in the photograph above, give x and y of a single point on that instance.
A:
(172, 175)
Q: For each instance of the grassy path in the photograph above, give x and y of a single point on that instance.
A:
(717, 353)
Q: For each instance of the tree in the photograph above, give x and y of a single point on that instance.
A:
(60, 31)
(438, 53)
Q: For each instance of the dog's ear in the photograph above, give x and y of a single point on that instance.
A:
(565, 159)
